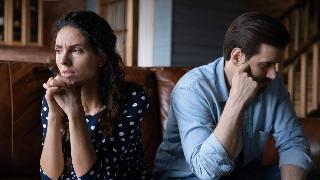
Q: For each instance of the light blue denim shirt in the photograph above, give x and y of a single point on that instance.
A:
(189, 148)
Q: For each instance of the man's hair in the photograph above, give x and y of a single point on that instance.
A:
(250, 30)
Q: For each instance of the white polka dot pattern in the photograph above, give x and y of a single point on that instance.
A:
(120, 156)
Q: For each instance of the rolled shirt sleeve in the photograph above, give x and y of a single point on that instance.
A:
(290, 140)
(205, 155)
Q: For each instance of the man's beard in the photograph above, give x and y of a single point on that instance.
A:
(263, 85)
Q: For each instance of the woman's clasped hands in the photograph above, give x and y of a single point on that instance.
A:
(62, 95)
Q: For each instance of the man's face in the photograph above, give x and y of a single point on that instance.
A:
(262, 65)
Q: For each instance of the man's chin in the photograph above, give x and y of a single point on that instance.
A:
(262, 87)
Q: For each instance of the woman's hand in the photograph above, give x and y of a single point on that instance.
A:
(69, 99)
(61, 95)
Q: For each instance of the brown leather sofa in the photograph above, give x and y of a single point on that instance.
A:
(20, 129)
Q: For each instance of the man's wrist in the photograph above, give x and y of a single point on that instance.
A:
(292, 172)
(235, 104)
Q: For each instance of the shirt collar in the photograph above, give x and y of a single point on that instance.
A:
(220, 82)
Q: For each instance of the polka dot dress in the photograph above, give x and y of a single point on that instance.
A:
(120, 156)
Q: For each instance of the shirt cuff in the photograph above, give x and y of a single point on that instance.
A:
(216, 157)
(300, 159)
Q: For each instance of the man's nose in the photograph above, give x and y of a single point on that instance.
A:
(272, 73)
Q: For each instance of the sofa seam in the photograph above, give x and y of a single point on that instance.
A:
(11, 100)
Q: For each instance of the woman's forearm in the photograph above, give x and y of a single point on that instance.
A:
(82, 151)
(51, 160)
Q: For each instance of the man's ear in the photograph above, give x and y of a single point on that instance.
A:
(237, 56)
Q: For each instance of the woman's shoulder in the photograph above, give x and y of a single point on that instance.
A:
(134, 91)
(136, 101)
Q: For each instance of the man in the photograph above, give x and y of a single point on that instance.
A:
(222, 114)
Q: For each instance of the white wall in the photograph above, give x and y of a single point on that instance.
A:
(154, 33)
(145, 32)
(162, 33)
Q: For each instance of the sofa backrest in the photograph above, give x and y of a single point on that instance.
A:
(150, 125)
(158, 82)
(20, 130)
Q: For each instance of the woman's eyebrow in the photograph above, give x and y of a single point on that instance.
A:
(70, 46)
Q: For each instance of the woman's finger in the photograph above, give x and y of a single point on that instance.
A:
(54, 90)
(57, 81)
(64, 79)
(45, 85)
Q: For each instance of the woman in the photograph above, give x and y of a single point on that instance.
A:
(90, 116)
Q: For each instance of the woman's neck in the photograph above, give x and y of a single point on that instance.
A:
(91, 101)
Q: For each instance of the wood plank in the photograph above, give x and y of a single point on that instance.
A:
(40, 23)
(315, 76)
(303, 85)
(130, 25)
(306, 24)
(9, 21)
(24, 19)
(296, 30)
(291, 74)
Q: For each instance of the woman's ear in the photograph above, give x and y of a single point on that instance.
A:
(237, 56)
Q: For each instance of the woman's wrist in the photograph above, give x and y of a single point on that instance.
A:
(75, 113)
(54, 118)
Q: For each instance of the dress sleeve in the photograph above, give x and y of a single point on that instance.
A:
(44, 123)
(44, 118)
(130, 144)
(127, 143)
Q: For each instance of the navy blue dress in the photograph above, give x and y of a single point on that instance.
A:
(119, 156)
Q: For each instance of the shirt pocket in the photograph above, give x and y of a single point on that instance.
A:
(260, 138)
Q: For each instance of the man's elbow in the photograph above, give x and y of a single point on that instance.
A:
(211, 167)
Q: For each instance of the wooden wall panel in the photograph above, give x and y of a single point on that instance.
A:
(52, 10)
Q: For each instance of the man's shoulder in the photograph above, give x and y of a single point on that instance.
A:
(202, 74)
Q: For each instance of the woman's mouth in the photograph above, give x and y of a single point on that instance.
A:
(67, 74)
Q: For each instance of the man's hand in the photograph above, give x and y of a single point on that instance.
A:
(243, 87)
(292, 172)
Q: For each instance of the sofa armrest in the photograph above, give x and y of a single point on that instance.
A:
(311, 128)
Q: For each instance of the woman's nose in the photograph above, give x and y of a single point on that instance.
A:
(65, 59)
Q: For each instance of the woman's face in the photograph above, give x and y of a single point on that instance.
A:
(75, 58)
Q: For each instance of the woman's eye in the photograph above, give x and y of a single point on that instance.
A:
(77, 50)
(57, 51)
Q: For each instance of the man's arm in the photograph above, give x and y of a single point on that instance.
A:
(292, 172)
(208, 148)
(229, 129)
(292, 145)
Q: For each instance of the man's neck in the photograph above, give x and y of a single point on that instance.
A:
(228, 73)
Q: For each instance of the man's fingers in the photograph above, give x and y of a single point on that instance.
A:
(244, 67)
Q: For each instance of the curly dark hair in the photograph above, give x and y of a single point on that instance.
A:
(111, 76)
